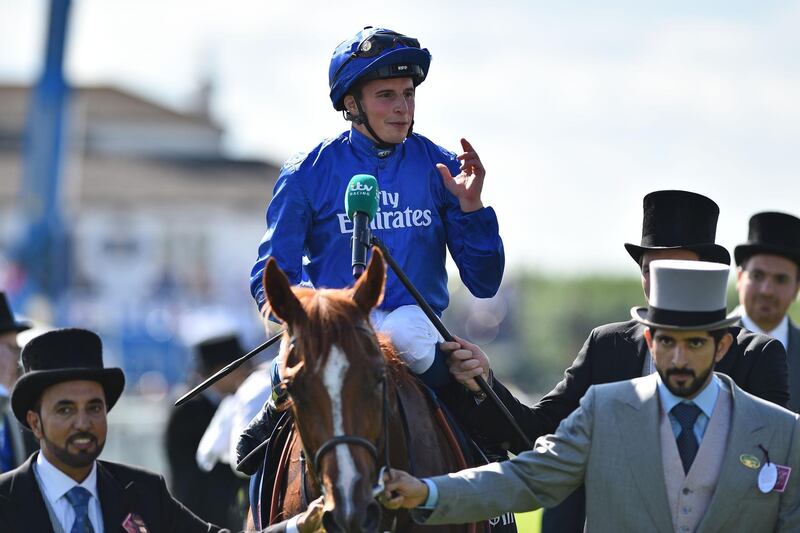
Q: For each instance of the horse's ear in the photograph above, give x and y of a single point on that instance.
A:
(282, 301)
(368, 291)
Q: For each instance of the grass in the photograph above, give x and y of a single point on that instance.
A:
(529, 522)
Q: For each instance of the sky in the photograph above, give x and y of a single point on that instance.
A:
(577, 109)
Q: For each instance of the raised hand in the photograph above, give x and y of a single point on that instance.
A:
(466, 186)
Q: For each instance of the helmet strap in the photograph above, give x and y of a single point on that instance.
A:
(355, 119)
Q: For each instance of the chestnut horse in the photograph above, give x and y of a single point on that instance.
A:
(356, 410)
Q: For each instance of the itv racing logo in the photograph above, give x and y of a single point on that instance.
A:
(359, 186)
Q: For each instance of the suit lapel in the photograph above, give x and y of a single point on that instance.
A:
(793, 361)
(794, 338)
(735, 480)
(637, 418)
(640, 346)
(25, 503)
(115, 499)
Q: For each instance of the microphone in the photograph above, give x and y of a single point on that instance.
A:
(361, 204)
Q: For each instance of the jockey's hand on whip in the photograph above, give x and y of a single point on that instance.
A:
(466, 362)
(311, 520)
(403, 490)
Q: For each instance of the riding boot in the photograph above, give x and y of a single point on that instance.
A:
(437, 375)
(256, 433)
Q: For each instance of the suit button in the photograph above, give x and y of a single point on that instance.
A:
(687, 491)
(686, 510)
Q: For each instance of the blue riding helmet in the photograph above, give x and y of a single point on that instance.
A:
(375, 53)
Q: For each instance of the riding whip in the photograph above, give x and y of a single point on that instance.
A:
(440, 327)
(230, 367)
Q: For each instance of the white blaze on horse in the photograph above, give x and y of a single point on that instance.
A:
(356, 409)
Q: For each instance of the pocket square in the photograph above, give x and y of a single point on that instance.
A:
(133, 523)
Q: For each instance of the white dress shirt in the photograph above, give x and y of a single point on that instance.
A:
(55, 484)
(781, 332)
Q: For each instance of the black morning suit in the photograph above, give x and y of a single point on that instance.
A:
(793, 358)
(793, 361)
(210, 495)
(121, 489)
(616, 352)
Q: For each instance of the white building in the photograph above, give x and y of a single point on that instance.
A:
(164, 228)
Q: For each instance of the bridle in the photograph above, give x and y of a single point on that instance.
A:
(356, 440)
(338, 440)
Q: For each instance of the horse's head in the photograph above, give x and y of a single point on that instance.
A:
(335, 374)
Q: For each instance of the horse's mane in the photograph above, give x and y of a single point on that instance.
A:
(397, 368)
(338, 316)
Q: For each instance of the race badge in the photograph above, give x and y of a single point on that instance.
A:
(750, 461)
(767, 478)
(783, 477)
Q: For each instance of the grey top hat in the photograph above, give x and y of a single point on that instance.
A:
(686, 295)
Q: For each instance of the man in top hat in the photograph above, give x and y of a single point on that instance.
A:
(683, 449)
(15, 443)
(63, 397)
(768, 279)
(676, 225)
(219, 496)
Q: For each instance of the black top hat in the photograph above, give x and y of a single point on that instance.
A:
(217, 352)
(680, 220)
(58, 356)
(7, 321)
(771, 233)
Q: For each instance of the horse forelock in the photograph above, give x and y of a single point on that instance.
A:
(333, 318)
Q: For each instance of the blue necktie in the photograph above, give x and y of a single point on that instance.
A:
(79, 498)
(686, 414)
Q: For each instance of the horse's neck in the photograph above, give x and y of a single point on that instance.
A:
(427, 451)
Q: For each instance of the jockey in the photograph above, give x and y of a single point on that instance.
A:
(430, 201)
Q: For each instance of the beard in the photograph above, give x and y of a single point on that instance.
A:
(79, 459)
(692, 386)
